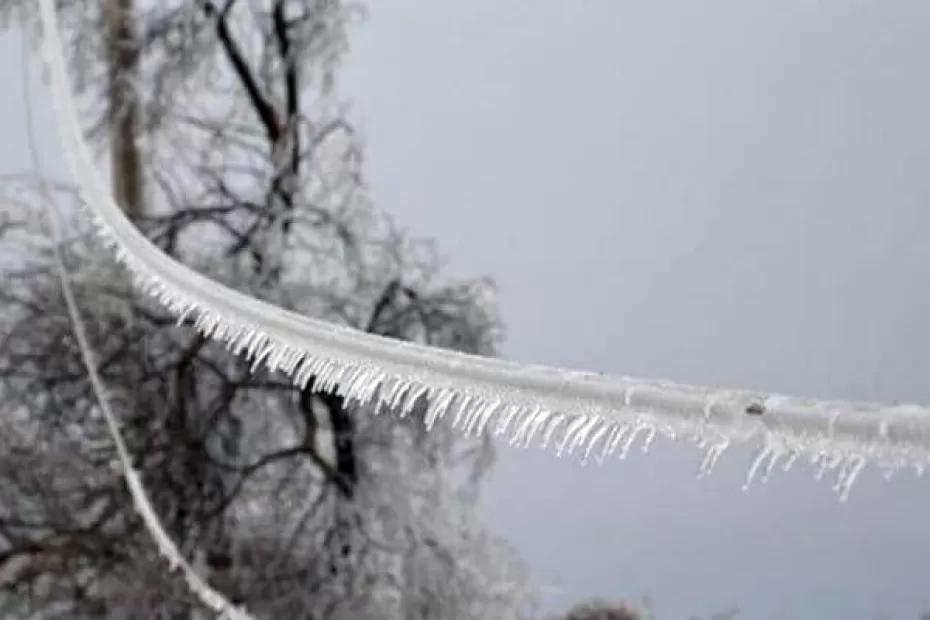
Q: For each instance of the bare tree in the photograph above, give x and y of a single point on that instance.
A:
(233, 152)
(603, 611)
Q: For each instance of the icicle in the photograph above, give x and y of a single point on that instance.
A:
(294, 358)
(468, 410)
(539, 420)
(828, 462)
(245, 341)
(554, 423)
(438, 407)
(615, 440)
(520, 436)
(602, 431)
(629, 441)
(356, 381)
(711, 456)
(463, 407)
(413, 395)
(822, 464)
(649, 439)
(375, 381)
(582, 435)
(751, 474)
(388, 392)
(304, 373)
(486, 415)
(508, 415)
(254, 345)
(773, 458)
(789, 462)
(574, 427)
(845, 484)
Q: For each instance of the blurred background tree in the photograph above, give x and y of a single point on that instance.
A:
(230, 147)
(599, 610)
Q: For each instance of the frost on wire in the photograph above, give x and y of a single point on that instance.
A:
(577, 413)
(210, 597)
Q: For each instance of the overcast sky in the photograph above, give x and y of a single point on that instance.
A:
(729, 192)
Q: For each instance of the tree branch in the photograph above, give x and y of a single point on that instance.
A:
(264, 109)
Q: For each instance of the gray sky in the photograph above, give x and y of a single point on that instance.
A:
(730, 192)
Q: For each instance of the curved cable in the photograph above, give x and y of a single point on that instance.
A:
(209, 597)
(591, 414)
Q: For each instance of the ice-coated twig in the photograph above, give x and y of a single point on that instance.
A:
(200, 588)
(570, 410)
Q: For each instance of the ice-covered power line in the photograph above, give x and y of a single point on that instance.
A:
(211, 598)
(582, 413)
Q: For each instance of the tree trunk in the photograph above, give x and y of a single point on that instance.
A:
(124, 109)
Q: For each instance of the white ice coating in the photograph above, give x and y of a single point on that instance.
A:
(209, 597)
(570, 410)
